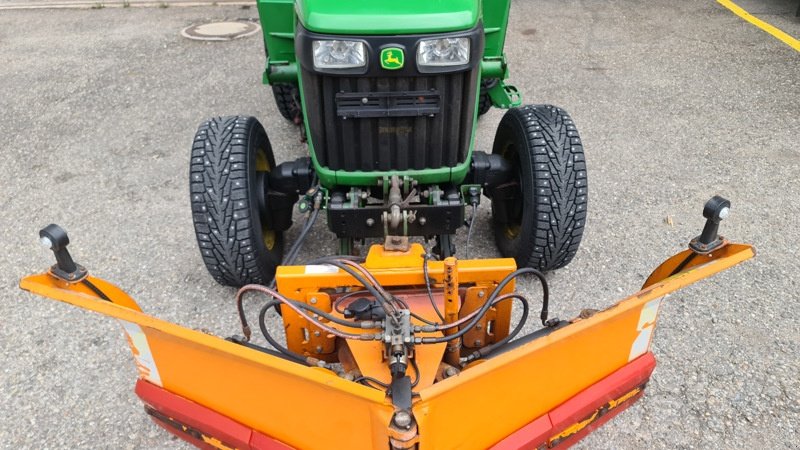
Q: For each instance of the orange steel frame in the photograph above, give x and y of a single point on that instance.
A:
(529, 392)
(395, 270)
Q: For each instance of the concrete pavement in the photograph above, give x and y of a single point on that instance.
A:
(675, 102)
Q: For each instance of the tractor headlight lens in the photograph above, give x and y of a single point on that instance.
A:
(339, 54)
(443, 52)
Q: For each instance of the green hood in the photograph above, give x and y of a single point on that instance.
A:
(388, 16)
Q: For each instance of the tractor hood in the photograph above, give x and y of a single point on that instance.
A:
(387, 17)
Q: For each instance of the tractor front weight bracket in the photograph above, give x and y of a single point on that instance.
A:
(505, 95)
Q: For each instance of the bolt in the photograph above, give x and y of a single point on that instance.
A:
(481, 294)
(370, 222)
(396, 240)
(319, 349)
(313, 300)
(450, 371)
(478, 327)
(402, 419)
(365, 100)
(422, 221)
(316, 333)
(478, 343)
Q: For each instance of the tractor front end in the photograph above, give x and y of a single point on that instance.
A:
(388, 95)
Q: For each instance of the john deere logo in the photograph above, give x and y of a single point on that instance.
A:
(392, 58)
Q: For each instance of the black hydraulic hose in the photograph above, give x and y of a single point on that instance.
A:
(298, 243)
(337, 306)
(683, 263)
(338, 302)
(413, 314)
(321, 260)
(371, 380)
(490, 301)
(313, 194)
(96, 290)
(388, 308)
(428, 285)
(243, 318)
(545, 288)
(484, 351)
(261, 349)
(352, 272)
(469, 229)
(332, 318)
(416, 372)
(301, 311)
(275, 344)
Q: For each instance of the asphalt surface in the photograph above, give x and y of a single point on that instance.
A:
(675, 101)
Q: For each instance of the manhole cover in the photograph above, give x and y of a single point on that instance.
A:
(220, 31)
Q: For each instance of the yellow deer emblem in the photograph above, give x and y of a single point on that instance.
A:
(391, 59)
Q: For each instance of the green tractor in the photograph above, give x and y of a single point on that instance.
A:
(388, 94)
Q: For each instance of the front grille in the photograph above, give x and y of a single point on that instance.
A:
(406, 123)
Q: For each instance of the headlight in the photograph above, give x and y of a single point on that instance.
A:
(443, 52)
(339, 54)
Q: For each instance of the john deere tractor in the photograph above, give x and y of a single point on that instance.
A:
(387, 94)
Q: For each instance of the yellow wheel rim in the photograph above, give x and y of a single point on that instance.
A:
(262, 165)
(269, 238)
(512, 231)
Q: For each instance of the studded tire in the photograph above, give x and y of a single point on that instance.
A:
(540, 218)
(230, 157)
(287, 101)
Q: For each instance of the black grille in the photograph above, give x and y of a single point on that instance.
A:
(413, 130)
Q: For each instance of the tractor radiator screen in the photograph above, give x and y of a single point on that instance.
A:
(407, 123)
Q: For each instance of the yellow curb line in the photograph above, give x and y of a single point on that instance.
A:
(775, 32)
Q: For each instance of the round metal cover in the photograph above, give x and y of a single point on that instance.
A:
(220, 31)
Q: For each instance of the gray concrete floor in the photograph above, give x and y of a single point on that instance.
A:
(676, 101)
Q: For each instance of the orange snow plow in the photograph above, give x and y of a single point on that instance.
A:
(395, 351)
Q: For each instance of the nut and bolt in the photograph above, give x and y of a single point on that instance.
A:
(450, 371)
(481, 294)
(313, 300)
